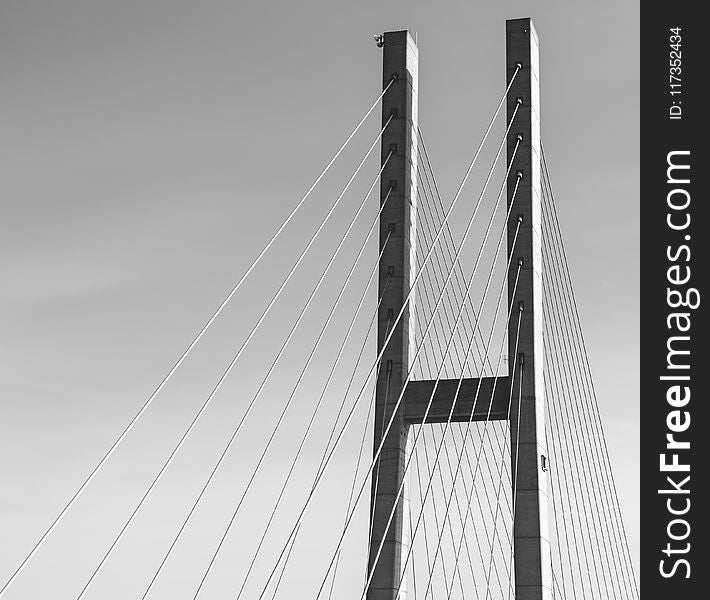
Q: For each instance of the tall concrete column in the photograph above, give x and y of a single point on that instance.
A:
(533, 567)
(398, 221)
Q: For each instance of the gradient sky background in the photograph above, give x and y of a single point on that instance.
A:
(150, 148)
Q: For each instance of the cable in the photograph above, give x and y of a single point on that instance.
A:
(183, 356)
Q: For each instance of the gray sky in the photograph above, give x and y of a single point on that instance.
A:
(150, 148)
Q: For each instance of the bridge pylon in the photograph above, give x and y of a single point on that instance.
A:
(533, 562)
(397, 265)
(523, 386)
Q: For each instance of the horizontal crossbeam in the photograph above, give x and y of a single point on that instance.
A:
(494, 393)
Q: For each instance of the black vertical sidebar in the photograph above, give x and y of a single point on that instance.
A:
(675, 462)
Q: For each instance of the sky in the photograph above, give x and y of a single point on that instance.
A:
(150, 149)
